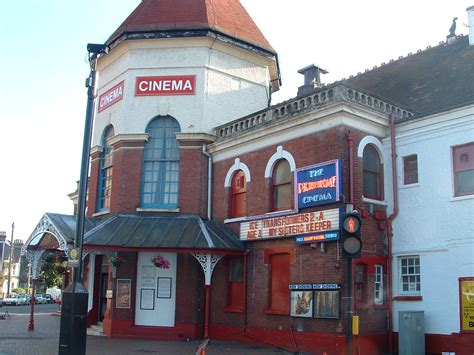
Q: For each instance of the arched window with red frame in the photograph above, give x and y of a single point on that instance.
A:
(238, 195)
(373, 173)
(282, 186)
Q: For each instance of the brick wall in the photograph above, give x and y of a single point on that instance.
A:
(310, 265)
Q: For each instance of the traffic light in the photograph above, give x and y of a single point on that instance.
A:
(351, 240)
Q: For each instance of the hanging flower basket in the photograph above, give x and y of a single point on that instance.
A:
(160, 262)
(116, 261)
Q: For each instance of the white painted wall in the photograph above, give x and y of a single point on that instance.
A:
(432, 223)
(231, 83)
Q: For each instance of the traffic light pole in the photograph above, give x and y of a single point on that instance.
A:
(350, 304)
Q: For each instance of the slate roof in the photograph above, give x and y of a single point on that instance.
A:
(428, 81)
(178, 231)
(224, 16)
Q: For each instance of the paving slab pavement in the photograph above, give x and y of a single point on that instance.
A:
(44, 340)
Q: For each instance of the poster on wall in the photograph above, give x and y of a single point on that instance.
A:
(123, 293)
(147, 298)
(148, 277)
(466, 289)
(301, 304)
(319, 184)
(164, 287)
(326, 304)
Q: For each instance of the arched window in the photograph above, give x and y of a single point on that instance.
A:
(160, 171)
(105, 175)
(373, 177)
(238, 195)
(282, 186)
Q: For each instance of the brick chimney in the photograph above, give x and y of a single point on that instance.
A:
(470, 19)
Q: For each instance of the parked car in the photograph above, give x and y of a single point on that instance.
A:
(49, 298)
(25, 299)
(40, 299)
(12, 300)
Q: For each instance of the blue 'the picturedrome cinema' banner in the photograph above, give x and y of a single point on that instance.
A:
(319, 184)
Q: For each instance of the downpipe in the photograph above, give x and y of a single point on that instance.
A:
(390, 230)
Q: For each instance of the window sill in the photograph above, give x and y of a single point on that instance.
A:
(232, 220)
(407, 186)
(151, 210)
(275, 312)
(101, 213)
(233, 310)
(408, 298)
(461, 198)
(375, 202)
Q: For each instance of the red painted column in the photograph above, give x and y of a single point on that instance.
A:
(31, 325)
(207, 311)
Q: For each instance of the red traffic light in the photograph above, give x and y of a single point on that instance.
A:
(351, 223)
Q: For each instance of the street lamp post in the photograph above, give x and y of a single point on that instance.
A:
(73, 329)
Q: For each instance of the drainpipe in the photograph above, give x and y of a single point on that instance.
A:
(350, 140)
(209, 181)
(390, 229)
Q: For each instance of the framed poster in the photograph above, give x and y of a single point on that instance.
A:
(466, 304)
(123, 293)
(147, 298)
(326, 304)
(164, 287)
(148, 277)
(301, 304)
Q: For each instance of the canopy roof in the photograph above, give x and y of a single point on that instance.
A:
(177, 231)
(170, 231)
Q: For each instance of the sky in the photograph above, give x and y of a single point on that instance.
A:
(43, 68)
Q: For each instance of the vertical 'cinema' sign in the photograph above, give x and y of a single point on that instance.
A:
(165, 85)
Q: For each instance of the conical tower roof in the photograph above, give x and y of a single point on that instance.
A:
(188, 18)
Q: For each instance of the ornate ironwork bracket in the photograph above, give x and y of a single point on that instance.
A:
(35, 258)
(208, 261)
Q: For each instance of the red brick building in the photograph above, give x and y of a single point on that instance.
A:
(212, 214)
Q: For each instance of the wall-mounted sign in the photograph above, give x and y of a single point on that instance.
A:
(311, 286)
(319, 184)
(297, 224)
(466, 289)
(111, 96)
(317, 238)
(73, 257)
(123, 293)
(165, 85)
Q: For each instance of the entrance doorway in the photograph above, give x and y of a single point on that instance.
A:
(156, 290)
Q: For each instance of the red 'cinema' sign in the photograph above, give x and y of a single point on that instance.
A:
(165, 85)
(111, 97)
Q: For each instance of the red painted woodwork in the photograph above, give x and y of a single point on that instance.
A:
(239, 195)
(279, 297)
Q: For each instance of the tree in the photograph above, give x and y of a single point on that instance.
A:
(53, 270)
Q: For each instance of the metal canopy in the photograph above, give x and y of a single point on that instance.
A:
(176, 231)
